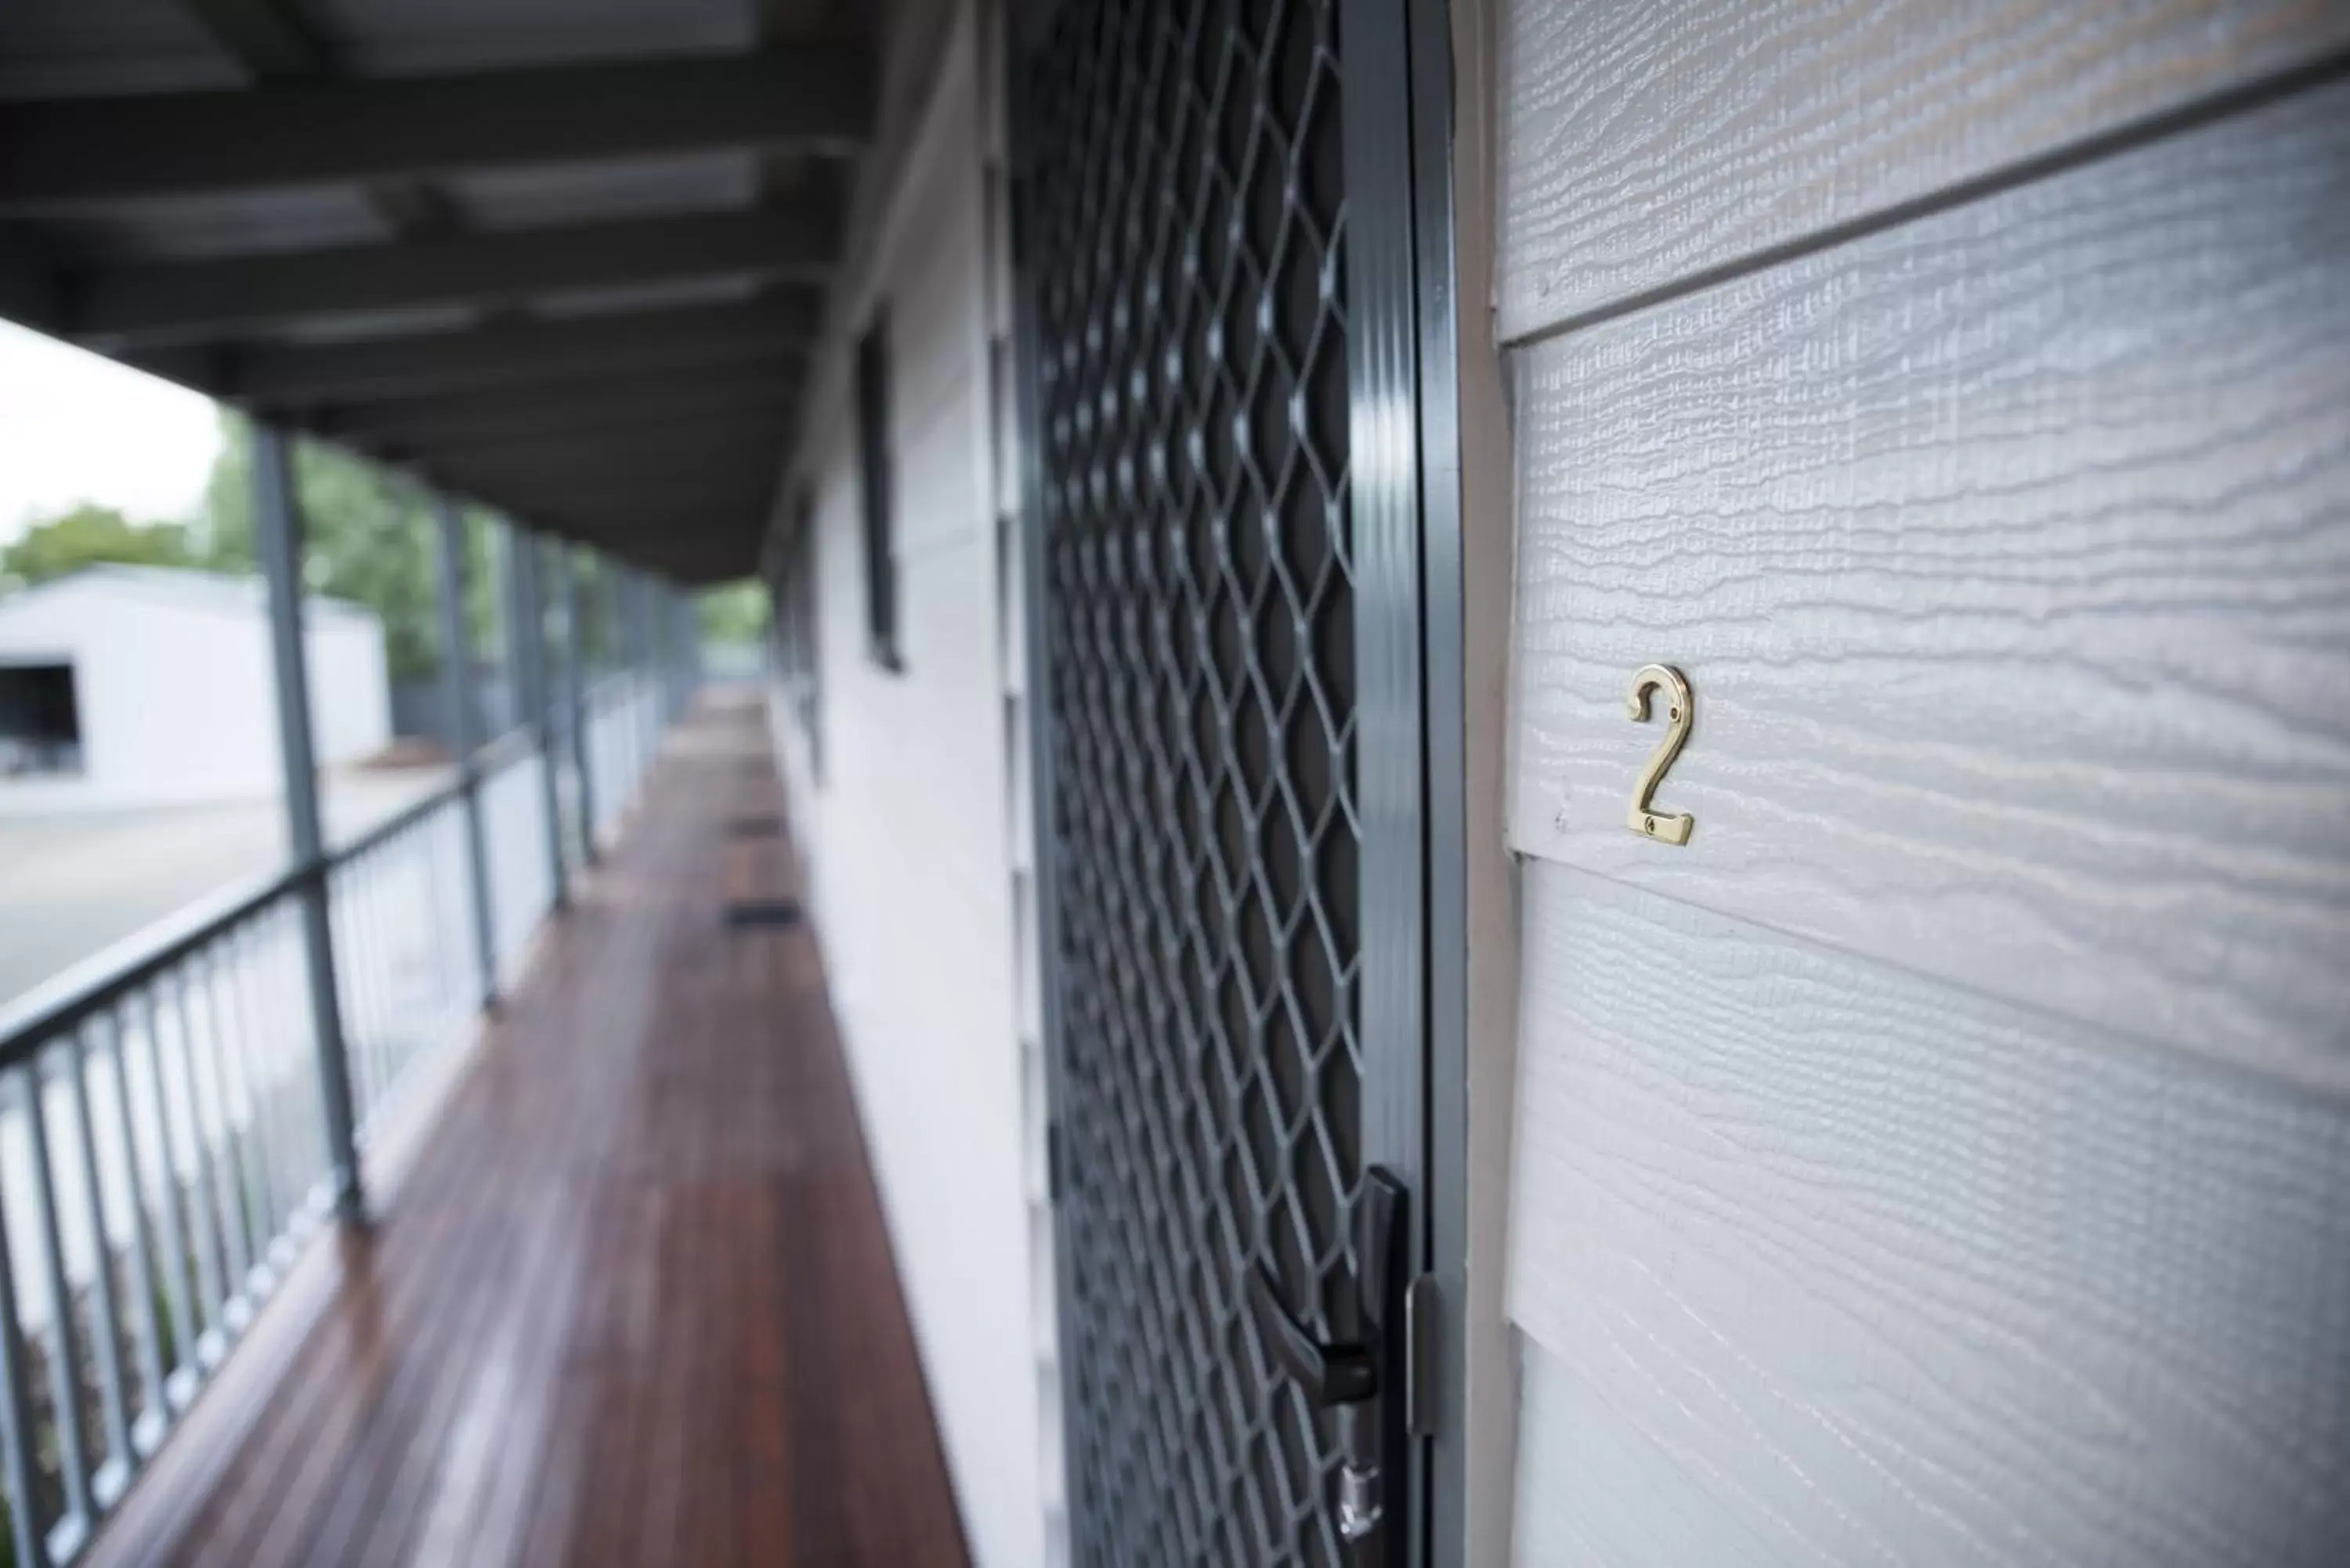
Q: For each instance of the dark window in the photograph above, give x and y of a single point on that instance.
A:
(796, 645)
(40, 721)
(881, 520)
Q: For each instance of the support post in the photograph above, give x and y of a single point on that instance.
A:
(686, 631)
(466, 734)
(574, 645)
(645, 737)
(673, 614)
(277, 540)
(526, 632)
(664, 654)
(648, 663)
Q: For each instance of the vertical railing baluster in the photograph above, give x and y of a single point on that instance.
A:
(399, 1039)
(222, 1165)
(264, 1221)
(381, 972)
(16, 1433)
(106, 1327)
(575, 691)
(358, 1019)
(213, 1341)
(155, 1376)
(357, 1001)
(63, 1345)
(276, 975)
(310, 1164)
(181, 1381)
(452, 913)
(528, 633)
(431, 843)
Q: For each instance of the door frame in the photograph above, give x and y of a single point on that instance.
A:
(1404, 467)
(1404, 461)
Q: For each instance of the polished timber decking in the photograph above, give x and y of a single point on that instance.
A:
(629, 1298)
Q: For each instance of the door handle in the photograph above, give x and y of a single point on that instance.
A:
(1353, 1375)
(1339, 1373)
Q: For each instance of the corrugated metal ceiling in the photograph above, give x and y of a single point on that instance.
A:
(693, 155)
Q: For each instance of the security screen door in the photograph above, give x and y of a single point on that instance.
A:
(1218, 343)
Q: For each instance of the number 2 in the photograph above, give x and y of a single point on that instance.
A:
(1644, 818)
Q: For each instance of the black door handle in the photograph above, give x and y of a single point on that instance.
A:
(1339, 1373)
(1351, 1375)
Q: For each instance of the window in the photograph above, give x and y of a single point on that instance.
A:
(797, 661)
(880, 524)
(40, 721)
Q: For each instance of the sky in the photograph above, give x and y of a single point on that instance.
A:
(75, 427)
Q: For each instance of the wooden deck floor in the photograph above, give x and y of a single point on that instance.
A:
(631, 1300)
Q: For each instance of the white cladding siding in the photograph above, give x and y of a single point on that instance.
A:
(1865, 1267)
(909, 832)
(1940, 1160)
(1650, 141)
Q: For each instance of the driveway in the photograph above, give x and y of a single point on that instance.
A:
(74, 884)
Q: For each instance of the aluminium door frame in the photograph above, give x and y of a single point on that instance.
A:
(1404, 461)
(1404, 464)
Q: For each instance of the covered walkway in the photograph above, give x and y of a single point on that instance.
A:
(629, 1298)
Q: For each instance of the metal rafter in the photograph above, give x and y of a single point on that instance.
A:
(626, 403)
(275, 45)
(195, 301)
(64, 153)
(768, 331)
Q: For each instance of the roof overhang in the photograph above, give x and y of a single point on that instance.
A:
(571, 272)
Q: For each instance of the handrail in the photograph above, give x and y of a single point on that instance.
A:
(90, 985)
(499, 749)
(86, 987)
(392, 827)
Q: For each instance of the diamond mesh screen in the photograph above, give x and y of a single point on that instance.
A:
(1185, 219)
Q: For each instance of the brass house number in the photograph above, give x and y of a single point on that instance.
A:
(1644, 818)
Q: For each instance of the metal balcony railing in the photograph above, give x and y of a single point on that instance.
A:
(164, 1138)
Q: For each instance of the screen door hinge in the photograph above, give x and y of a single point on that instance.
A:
(1422, 1348)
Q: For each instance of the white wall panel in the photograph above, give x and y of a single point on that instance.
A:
(2009, 554)
(1646, 140)
(1849, 1265)
(908, 837)
(941, 492)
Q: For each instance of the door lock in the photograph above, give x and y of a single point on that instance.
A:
(1362, 1378)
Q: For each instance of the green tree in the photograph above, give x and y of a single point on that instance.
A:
(736, 612)
(367, 536)
(88, 535)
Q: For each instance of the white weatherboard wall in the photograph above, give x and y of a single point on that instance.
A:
(175, 688)
(1945, 1157)
(909, 831)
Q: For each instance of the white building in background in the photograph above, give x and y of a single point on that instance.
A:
(136, 686)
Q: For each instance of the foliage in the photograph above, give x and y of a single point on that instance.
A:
(737, 612)
(88, 535)
(367, 535)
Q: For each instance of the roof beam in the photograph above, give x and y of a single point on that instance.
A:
(296, 377)
(273, 44)
(600, 497)
(627, 481)
(618, 403)
(59, 153)
(195, 301)
(712, 436)
(264, 35)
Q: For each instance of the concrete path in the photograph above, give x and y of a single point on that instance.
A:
(74, 884)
